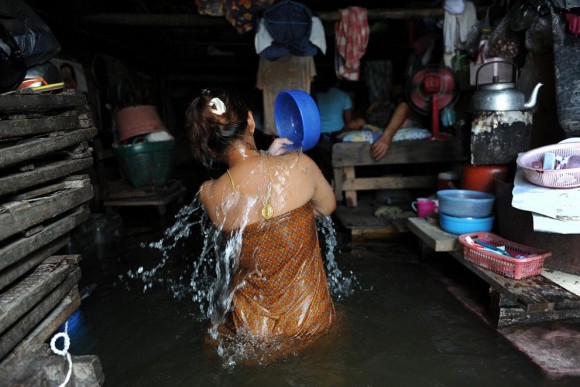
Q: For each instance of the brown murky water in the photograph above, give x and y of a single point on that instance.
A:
(401, 328)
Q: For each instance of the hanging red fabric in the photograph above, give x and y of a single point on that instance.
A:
(352, 37)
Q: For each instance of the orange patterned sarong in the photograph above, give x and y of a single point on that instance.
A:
(283, 290)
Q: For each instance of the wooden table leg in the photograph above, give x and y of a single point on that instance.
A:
(351, 198)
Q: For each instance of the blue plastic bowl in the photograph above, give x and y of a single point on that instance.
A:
(464, 203)
(455, 225)
(297, 118)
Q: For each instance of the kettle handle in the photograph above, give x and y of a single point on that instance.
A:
(494, 62)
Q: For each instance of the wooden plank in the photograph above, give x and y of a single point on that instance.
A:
(22, 297)
(401, 152)
(43, 146)
(433, 236)
(389, 182)
(160, 200)
(19, 181)
(17, 270)
(510, 316)
(121, 190)
(29, 321)
(28, 127)
(52, 230)
(18, 216)
(535, 294)
(361, 217)
(41, 367)
(363, 235)
(58, 316)
(11, 103)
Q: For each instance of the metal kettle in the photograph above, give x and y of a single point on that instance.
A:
(501, 96)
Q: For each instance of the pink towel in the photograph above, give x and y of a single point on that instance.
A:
(352, 36)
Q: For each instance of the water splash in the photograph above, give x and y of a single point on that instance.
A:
(341, 285)
(208, 284)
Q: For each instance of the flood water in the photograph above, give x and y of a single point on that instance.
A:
(401, 327)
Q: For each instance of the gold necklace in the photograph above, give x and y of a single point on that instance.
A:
(267, 209)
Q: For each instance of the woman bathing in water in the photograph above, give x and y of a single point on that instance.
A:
(281, 293)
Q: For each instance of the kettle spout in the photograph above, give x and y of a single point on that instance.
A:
(532, 101)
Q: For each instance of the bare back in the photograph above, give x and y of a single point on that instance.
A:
(285, 182)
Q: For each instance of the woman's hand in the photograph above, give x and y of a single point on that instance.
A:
(380, 148)
(278, 146)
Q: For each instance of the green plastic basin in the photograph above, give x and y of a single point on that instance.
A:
(146, 164)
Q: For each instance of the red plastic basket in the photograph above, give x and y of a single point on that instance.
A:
(516, 268)
(551, 178)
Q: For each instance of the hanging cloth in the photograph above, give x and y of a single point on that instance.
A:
(352, 37)
(289, 24)
(263, 39)
(287, 73)
(241, 13)
(456, 28)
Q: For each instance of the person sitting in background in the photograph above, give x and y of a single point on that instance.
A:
(268, 204)
(384, 121)
(335, 107)
(399, 119)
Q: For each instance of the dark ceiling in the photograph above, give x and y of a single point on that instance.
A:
(170, 37)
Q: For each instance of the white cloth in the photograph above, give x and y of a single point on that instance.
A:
(317, 36)
(262, 39)
(553, 210)
(456, 28)
(454, 7)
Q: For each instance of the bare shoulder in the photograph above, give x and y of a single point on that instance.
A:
(206, 190)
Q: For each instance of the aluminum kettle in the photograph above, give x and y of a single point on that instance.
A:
(501, 96)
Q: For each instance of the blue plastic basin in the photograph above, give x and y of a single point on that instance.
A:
(465, 203)
(455, 225)
(297, 118)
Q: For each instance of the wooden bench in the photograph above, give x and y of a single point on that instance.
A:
(512, 302)
(346, 156)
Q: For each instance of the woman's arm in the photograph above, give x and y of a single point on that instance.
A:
(382, 145)
(323, 201)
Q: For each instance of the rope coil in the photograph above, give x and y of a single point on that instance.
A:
(63, 351)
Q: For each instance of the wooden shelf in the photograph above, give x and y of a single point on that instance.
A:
(512, 302)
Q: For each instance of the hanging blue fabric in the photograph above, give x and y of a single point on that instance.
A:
(290, 24)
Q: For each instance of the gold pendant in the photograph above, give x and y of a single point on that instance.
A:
(267, 211)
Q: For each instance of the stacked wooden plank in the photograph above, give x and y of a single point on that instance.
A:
(44, 149)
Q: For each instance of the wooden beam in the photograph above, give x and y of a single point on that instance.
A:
(388, 14)
(193, 20)
(157, 20)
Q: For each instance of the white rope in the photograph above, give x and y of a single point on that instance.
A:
(63, 351)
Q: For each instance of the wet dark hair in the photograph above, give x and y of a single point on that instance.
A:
(212, 134)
